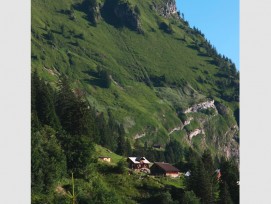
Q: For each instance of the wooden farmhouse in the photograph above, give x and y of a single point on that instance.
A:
(164, 169)
(138, 163)
(106, 159)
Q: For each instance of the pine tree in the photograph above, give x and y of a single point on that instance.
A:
(48, 162)
(199, 181)
(190, 198)
(42, 102)
(208, 162)
(224, 196)
(128, 148)
(103, 131)
(230, 175)
(78, 150)
(173, 152)
(121, 150)
(74, 112)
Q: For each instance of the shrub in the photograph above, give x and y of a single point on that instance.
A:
(121, 167)
(166, 27)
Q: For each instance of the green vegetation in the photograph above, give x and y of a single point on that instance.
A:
(114, 78)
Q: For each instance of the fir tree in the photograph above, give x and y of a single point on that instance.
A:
(208, 162)
(121, 142)
(224, 195)
(230, 175)
(42, 103)
(190, 198)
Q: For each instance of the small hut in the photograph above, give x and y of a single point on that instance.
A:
(106, 159)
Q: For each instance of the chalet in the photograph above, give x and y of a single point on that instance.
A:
(164, 169)
(106, 159)
(138, 163)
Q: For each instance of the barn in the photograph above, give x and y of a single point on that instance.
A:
(164, 169)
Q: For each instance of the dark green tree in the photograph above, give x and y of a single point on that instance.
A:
(75, 114)
(208, 162)
(106, 80)
(104, 131)
(42, 102)
(162, 198)
(199, 181)
(190, 198)
(121, 167)
(78, 150)
(128, 148)
(121, 141)
(173, 152)
(137, 10)
(230, 175)
(48, 162)
(224, 195)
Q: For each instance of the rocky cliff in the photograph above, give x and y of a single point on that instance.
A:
(167, 9)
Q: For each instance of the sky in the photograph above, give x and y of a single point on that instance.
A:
(218, 20)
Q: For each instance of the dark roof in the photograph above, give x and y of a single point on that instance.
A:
(136, 160)
(104, 157)
(140, 158)
(166, 167)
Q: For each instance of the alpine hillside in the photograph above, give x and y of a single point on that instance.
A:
(141, 63)
(122, 90)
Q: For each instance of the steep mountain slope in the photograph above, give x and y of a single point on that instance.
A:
(142, 61)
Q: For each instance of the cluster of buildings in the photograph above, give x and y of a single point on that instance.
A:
(141, 164)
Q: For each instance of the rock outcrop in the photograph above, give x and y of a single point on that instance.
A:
(201, 106)
(167, 9)
(222, 110)
(92, 9)
(195, 133)
(127, 16)
(175, 129)
(170, 8)
(137, 136)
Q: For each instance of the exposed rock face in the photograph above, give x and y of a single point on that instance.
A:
(221, 108)
(92, 9)
(168, 9)
(127, 16)
(187, 122)
(201, 106)
(137, 136)
(195, 133)
(175, 129)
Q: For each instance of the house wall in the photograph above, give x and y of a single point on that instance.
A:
(172, 174)
(106, 159)
(155, 170)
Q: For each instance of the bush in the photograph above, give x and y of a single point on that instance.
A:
(121, 167)
(162, 198)
(166, 27)
(137, 11)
